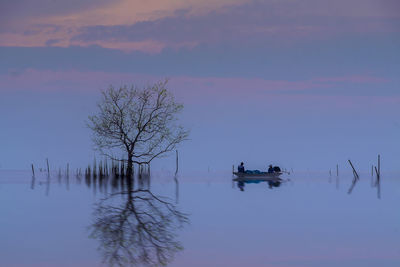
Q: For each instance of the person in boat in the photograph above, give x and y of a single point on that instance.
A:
(277, 169)
(270, 169)
(241, 167)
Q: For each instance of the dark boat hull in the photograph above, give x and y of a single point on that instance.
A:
(240, 176)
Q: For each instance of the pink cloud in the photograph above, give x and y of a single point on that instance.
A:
(155, 25)
(353, 79)
(53, 81)
(205, 90)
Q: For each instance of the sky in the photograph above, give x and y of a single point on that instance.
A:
(302, 84)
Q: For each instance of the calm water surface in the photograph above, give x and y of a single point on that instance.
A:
(310, 220)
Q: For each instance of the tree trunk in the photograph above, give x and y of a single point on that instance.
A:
(129, 183)
(129, 169)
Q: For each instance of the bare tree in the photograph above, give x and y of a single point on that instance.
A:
(142, 123)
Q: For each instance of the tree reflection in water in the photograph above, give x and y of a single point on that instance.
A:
(139, 230)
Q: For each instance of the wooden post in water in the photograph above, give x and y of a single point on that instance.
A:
(337, 169)
(330, 176)
(378, 182)
(33, 171)
(379, 165)
(354, 171)
(48, 168)
(377, 176)
(372, 176)
(33, 178)
(67, 170)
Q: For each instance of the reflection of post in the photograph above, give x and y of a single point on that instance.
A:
(377, 176)
(67, 181)
(379, 191)
(353, 184)
(337, 182)
(48, 185)
(355, 178)
(378, 182)
(379, 165)
(33, 182)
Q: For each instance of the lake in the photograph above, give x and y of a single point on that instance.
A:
(205, 220)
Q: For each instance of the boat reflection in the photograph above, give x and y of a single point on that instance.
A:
(272, 182)
(136, 227)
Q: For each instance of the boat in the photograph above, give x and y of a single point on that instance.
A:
(257, 176)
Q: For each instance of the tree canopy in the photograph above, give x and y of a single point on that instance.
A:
(140, 122)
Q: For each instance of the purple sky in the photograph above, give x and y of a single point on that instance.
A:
(304, 84)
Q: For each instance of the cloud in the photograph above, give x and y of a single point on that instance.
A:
(51, 42)
(153, 25)
(16, 13)
(24, 26)
(187, 87)
(350, 56)
(255, 22)
(354, 79)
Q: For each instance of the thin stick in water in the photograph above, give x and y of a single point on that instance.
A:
(354, 170)
(33, 171)
(48, 168)
(378, 183)
(379, 165)
(377, 176)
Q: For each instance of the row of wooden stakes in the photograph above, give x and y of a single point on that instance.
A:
(101, 169)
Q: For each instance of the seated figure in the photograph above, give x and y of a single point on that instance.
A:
(241, 167)
(270, 169)
(277, 169)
